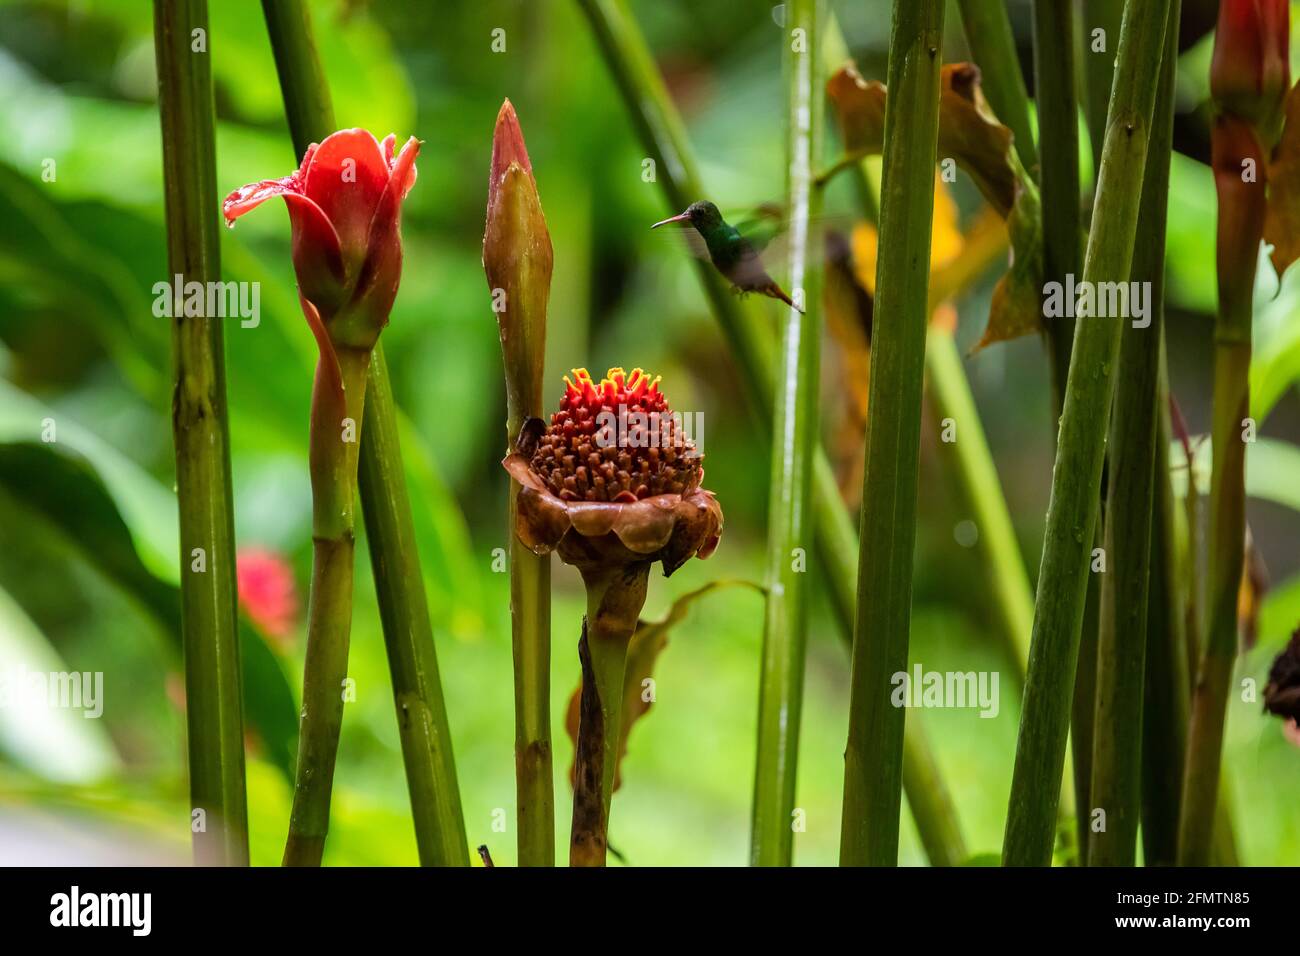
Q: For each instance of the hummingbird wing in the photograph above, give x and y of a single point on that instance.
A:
(762, 224)
(768, 231)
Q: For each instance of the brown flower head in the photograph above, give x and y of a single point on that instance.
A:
(613, 479)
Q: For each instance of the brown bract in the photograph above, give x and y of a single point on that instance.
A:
(671, 528)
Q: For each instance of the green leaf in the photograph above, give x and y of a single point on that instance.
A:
(64, 744)
(125, 524)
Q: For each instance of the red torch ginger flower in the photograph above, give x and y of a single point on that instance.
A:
(613, 479)
(1251, 69)
(345, 204)
(616, 441)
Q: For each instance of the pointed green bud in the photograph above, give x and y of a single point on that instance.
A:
(517, 258)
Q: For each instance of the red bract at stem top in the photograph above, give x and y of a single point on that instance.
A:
(345, 203)
(1251, 70)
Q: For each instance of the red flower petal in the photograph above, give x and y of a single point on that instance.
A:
(247, 198)
(317, 254)
(317, 257)
(346, 178)
(382, 269)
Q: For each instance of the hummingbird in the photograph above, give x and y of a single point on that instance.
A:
(731, 253)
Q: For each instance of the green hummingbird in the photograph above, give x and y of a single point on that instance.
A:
(732, 253)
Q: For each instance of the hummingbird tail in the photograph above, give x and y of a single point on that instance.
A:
(774, 291)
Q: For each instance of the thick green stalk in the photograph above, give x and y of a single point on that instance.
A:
(1076, 476)
(530, 610)
(874, 753)
(794, 443)
(1238, 143)
(338, 403)
(928, 797)
(615, 597)
(209, 630)
(663, 136)
(1227, 537)
(303, 85)
(1121, 648)
(1083, 707)
(1056, 102)
(1165, 703)
(408, 635)
(390, 529)
(993, 45)
(1058, 143)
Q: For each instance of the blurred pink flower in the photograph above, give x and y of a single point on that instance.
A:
(267, 592)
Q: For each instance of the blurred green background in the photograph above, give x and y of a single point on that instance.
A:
(88, 565)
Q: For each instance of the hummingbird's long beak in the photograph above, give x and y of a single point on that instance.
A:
(680, 217)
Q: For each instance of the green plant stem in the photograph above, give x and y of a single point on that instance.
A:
(303, 85)
(1121, 648)
(408, 635)
(981, 493)
(200, 429)
(874, 753)
(1058, 175)
(794, 443)
(1076, 477)
(663, 136)
(1227, 537)
(1058, 131)
(1165, 703)
(615, 597)
(390, 529)
(928, 797)
(530, 605)
(1083, 707)
(1189, 573)
(335, 426)
(993, 45)
(530, 615)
